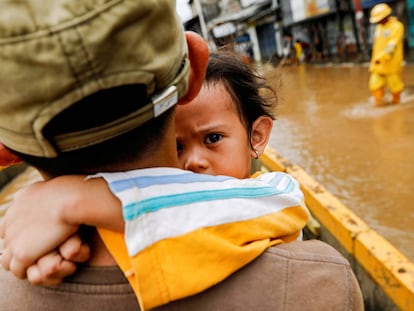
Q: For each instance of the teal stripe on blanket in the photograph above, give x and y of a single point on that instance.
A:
(134, 210)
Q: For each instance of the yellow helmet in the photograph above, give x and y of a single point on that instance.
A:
(379, 12)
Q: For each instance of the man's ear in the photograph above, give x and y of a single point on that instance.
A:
(198, 55)
(260, 134)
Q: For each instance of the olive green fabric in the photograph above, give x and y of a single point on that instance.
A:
(55, 52)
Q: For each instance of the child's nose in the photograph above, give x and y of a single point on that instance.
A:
(196, 163)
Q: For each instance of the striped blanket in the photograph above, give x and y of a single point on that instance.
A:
(186, 232)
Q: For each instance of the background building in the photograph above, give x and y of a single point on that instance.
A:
(333, 30)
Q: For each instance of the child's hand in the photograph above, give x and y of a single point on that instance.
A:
(52, 268)
(45, 214)
(32, 227)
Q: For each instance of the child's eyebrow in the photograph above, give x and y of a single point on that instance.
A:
(214, 127)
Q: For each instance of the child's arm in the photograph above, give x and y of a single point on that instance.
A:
(45, 214)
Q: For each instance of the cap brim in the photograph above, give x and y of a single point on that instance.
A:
(374, 20)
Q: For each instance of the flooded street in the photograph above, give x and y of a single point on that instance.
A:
(361, 154)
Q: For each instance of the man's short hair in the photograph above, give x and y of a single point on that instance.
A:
(111, 154)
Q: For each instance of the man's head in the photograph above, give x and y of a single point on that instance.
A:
(79, 73)
(379, 13)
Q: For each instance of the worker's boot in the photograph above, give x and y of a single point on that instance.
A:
(396, 98)
(378, 96)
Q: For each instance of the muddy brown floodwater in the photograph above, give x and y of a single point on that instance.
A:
(364, 155)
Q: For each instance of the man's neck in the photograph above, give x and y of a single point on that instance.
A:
(100, 256)
(165, 155)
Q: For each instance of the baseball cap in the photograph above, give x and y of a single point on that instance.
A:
(54, 53)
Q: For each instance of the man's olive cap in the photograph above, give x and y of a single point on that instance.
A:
(53, 53)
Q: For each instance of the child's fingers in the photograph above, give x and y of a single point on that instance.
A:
(50, 270)
(73, 249)
(2, 228)
(5, 259)
(11, 263)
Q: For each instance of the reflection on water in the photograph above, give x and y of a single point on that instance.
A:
(364, 155)
(364, 109)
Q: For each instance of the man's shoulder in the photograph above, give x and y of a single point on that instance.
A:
(301, 275)
(307, 251)
(302, 270)
(303, 262)
(395, 22)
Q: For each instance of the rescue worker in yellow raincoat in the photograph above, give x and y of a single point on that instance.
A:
(387, 54)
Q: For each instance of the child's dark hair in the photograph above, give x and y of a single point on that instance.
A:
(244, 85)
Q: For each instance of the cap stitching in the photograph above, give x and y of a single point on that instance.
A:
(89, 60)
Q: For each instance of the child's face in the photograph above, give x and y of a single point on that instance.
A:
(211, 139)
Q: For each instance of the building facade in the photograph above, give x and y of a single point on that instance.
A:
(329, 30)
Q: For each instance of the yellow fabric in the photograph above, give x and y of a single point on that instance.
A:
(387, 50)
(378, 96)
(392, 81)
(115, 243)
(186, 265)
(299, 50)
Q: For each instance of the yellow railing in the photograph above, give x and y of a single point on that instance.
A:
(391, 270)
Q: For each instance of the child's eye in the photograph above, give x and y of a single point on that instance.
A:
(179, 147)
(213, 138)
